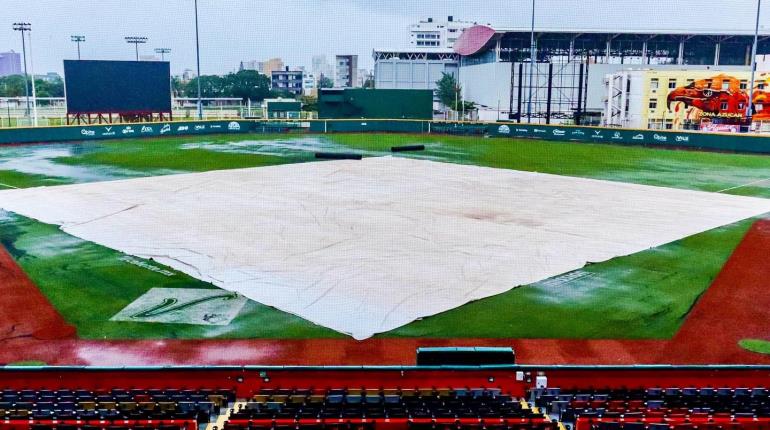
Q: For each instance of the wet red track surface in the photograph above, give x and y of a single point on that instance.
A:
(733, 308)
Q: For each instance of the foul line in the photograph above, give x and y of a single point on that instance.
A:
(744, 185)
(8, 186)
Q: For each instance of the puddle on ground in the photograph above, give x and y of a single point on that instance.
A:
(40, 160)
(291, 147)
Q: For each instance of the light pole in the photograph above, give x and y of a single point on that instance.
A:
(22, 27)
(198, 61)
(162, 52)
(77, 40)
(532, 55)
(750, 104)
(32, 73)
(136, 41)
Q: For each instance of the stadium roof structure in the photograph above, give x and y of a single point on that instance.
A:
(477, 39)
(415, 54)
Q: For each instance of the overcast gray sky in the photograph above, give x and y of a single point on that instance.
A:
(295, 30)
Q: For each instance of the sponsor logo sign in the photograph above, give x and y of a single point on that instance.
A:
(200, 127)
(86, 132)
(146, 129)
(578, 133)
(128, 130)
(660, 137)
(682, 138)
(504, 129)
(557, 132)
(617, 136)
(639, 136)
(165, 129)
(183, 128)
(539, 130)
(108, 132)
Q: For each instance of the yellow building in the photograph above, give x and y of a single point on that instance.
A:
(683, 99)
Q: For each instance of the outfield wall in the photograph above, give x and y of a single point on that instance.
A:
(661, 138)
(120, 131)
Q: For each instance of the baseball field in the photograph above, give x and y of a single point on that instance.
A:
(70, 296)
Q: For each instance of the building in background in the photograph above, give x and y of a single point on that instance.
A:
(10, 64)
(414, 70)
(695, 98)
(566, 83)
(346, 71)
(149, 57)
(271, 65)
(263, 67)
(309, 85)
(258, 66)
(320, 67)
(188, 75)
(430, 34)
(287, 80)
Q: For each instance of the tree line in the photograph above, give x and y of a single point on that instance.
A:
(245, 84)
(13, 86)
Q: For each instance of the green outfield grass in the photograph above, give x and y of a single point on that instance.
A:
(646, 295)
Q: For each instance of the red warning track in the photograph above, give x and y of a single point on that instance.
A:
(734, 307)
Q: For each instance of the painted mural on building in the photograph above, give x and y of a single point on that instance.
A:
(720, 101)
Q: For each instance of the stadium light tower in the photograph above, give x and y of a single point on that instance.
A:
(136, 41)
(78, 40)
(750, 104)
(198, 62)
(22, 27)
(162, 52)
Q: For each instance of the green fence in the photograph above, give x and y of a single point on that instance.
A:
(120, 131)
(690, 140)
(662, 138)
(375, 103)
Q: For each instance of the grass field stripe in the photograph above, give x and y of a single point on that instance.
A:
(744, 185)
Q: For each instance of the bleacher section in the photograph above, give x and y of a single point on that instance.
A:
(418, 409)
(115, 409)
(726, 408)
(672, 408)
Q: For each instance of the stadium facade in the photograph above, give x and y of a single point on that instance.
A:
(567, 81)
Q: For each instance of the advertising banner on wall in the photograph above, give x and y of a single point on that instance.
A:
(721, 99)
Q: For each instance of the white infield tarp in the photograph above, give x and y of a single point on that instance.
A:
(366, 246)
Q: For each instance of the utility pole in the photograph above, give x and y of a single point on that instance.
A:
(198, 61)
(136, 41)
(532, 55)
(77, 40)
(750, 104)
(22, 27)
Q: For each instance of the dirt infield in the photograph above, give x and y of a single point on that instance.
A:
(24, 311)
(733, 308)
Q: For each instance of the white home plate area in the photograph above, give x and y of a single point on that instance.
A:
(363, 247)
